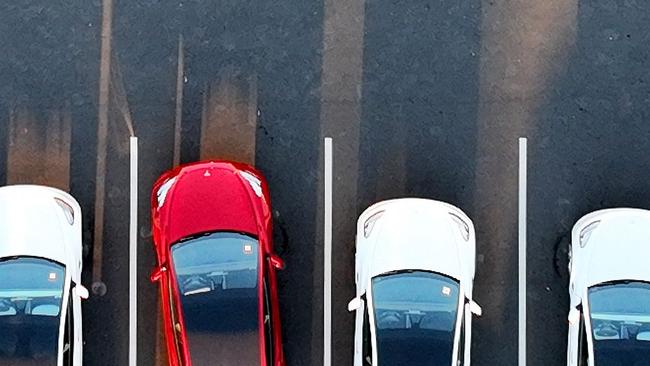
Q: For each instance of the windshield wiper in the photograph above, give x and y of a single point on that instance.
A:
(197, 291)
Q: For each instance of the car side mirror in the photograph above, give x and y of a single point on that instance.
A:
(81, 291)
(157, 273)
(276, 262)
(574, 316)
(475, 308)
(354, 304)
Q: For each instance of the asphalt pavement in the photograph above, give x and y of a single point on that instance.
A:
(423, 98)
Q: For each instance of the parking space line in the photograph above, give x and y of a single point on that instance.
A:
(327, 256)
(340, 119)
(133, 257)
(523, 147)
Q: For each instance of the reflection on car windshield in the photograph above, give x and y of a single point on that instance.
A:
(30, 308)
(217, 278)
(415, 317)
(620, 318)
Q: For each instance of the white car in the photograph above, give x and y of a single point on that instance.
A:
(415, 261)
(609, 288)
(40, 274)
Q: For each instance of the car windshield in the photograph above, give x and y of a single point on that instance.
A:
(30, 310)
(217, 278)
(620, 321)
(415, 317)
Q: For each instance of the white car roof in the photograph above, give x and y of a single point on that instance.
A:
(412, 233)
(33, 224)
(617, 249)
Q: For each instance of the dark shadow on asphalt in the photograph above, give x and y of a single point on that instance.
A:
(420, 116)
(590, 151)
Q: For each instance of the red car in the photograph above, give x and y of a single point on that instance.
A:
(216, 266)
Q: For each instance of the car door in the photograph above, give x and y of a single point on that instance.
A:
(463, 352)
(268, 326)
(460, 349)
(363, 338)
(77, 325)
(69, 333)
(174, 318)
(358, 338)
(464, 338)
(275, 331)
(578, 349)
(583, 348)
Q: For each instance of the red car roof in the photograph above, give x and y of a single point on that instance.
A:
(206, 197)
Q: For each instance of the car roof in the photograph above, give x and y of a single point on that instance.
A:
(617, 249)
(209, 196)
(33, 224)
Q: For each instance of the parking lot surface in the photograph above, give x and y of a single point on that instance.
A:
(423, 98)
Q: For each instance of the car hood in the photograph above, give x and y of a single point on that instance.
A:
(208, 197)
(415, 237)
(32, 224)
(617, 248)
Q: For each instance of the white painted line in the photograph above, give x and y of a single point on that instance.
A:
(327, 257)
(133, 256)
(523, 151)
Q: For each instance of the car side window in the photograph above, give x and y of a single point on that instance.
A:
(68, 332)
(268, 325)
(583, 349)
(461, 342)
(367, 340)
(174, 317)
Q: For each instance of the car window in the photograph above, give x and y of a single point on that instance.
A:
(620, 322)
(583, 349)
(268, 325)
(68, 335)
(461, 342)
(174, 319)
(30, 309)
(367, 339)
(217, 281)
(415, 316)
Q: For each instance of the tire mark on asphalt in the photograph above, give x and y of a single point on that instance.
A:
(39, 148)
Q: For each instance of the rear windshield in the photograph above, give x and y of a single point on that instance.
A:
(217, 278)
(30, 311)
